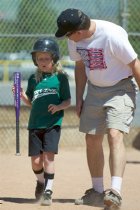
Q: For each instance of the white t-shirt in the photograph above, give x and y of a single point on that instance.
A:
(105, 54)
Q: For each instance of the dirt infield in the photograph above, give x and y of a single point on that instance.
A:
(72, 178)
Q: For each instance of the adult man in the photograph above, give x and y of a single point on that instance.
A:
(106, 61)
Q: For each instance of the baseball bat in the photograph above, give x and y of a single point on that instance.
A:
(17, 85)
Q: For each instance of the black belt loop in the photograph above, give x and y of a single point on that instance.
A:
(130, 77)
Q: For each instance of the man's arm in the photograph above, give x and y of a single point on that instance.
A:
(80, 80)
(135, 66)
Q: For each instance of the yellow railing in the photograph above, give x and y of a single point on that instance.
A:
(5, 66)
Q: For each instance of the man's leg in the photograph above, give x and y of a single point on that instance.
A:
(95, 157)
(117, 161)
(117, 157)
(95, 160)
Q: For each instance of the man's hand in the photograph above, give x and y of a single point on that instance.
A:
(79, 106)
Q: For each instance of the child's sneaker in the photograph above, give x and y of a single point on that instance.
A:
(112, 198)
(39, 190)
(46, 198)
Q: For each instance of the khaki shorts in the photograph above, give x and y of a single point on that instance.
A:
(109, 107)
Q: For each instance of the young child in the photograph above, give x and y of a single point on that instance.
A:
(48, 94)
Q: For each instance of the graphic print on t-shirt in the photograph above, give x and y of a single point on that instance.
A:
(44, 92)
(93, 58)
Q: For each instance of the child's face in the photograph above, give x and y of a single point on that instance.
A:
(44, 61)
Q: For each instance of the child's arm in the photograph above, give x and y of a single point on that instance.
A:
(25, 98)
(55, 108)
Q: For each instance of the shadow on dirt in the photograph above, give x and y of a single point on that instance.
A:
(132, 162)
(18, 200)
(33, 201)
(30, 200)
(136, 142)
(95, 204)
(58, 200)
(136, 145)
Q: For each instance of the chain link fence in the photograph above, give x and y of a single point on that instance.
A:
(21, 23)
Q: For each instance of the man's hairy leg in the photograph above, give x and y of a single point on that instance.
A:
(95, 159)
(117, 157)
(117, 161)
(95, 156)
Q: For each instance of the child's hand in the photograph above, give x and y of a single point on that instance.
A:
(13, 89)
(21, 91)
(53, 108)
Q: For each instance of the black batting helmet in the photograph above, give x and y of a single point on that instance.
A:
(46, 45)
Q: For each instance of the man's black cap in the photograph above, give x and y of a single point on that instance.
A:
(68, 21)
